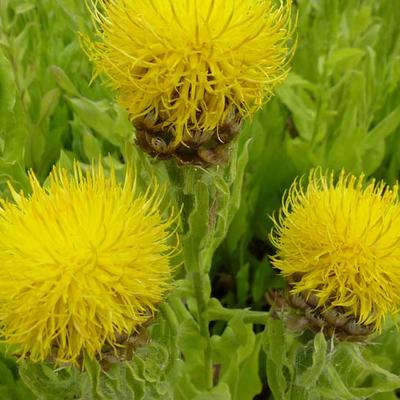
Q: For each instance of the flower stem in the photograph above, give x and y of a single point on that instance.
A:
(196, 208)
(198, 277)
(199, 289)
(249, 317)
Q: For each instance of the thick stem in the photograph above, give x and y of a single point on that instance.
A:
(202, 318)
(195, 270)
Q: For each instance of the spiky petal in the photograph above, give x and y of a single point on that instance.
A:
(189, 64)
(80, 261)
(341, 242)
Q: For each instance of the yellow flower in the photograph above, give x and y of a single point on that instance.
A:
(341, 242)
(184, 67)
(80, 262)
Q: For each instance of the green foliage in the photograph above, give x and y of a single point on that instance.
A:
(313, 369)
(146, 377)
(42, 65)
(11, 387)
(236, 351)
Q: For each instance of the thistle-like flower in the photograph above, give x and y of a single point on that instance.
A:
(82, 262)
(188, 71)
(338, 244)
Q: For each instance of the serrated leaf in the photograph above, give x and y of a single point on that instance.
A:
(93, 372)
(335, 387)
(197, 219)
(225, 198)
(249, 383)
(48, 384)
(275, 349)
(193, 344)
(311, 375)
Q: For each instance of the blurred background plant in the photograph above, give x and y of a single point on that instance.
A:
(340, 107)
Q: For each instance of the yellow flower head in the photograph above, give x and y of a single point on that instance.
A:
(341, 242)
(184, 67)
(80, 261)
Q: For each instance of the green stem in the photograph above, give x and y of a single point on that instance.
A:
(202, 318)
(169, 315)
(250, 317)
(195, 271)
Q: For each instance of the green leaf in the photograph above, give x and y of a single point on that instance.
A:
(300, 104)
(24, 7)
(48, 104)
(225, 198)
(91, 146)
(94, 114)
(192, 344)
(15, 135)
(93, 372)
(335, 387)
(249, 383)
(197, 220)
(374, 142)
(63, 81)
(7, 91)
(346, 58)
(48, 384)
(14, 173)
(219, 392)
(310, 376)
(236, 352)
(385, 127)
(275, 349)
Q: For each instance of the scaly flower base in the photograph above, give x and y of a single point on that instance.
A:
(122, 349)
(302, 313)
(200, 147)
(126, 346)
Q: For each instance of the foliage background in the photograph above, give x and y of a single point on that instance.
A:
(339, 108)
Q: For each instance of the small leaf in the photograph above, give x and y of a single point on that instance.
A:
(383, 129)
(348, 55)
(91, 146)
(63, 81)
(7, 90)
(24, 7)
(192, 345)
(219, 392)
(249, 383)
(93, 114)
(48, 104)
(309, 378)
(275, 349)
(335, 388)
